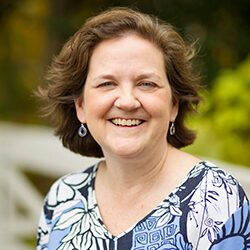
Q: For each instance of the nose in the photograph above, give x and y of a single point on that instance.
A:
(127, 100)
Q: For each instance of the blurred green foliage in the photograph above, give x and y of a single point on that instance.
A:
(224, 123)
(33, 30)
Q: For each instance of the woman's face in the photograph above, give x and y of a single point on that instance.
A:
(127, 102)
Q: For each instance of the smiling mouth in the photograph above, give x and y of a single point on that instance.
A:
(126, 122)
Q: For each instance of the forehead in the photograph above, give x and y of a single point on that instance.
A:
(129, 47)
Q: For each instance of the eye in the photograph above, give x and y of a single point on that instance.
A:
(147, 85)
(107, 84)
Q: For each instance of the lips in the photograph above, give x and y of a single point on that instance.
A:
(126, 122)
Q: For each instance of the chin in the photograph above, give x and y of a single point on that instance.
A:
(127, 151)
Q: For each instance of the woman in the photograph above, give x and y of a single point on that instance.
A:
(120, 89)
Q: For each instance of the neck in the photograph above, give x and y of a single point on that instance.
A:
(135, 174)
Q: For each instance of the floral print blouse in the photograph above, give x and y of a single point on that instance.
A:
(209, 210)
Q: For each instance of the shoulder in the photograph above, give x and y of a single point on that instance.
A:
(206, 167)
(69, 189)
(218, 184)
(214, 196)
(67, 194)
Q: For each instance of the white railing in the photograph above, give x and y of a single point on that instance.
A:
(35, 149)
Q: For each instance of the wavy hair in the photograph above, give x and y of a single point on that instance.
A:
(68, 71)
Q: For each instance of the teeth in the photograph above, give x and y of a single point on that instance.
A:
(124, 122)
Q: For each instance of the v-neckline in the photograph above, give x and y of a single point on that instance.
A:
(167, 198)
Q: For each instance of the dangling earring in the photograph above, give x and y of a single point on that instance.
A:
(172, 129)
(82, 131)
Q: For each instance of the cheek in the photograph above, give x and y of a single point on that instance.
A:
(159, 105)
(96, 104)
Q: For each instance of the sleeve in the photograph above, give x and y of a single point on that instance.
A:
(58, 194)
(45, 222)
(235, 233)
(215, 202)
(43, 232)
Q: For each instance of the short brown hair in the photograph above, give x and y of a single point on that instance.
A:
(69, 69)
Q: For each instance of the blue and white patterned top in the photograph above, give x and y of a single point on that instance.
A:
(209, 210)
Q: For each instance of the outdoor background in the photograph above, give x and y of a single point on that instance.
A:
(32, 31)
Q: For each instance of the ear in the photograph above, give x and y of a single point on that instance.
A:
(174, 110)
(80, 112)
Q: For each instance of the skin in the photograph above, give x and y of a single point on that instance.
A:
(140, 166)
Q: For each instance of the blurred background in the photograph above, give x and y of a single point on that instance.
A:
(32, 31)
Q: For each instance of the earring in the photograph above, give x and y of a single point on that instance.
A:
(82, 131)
(172, 129)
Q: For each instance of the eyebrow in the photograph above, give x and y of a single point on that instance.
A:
(138, 77)
(148, 75)
(104, 76)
